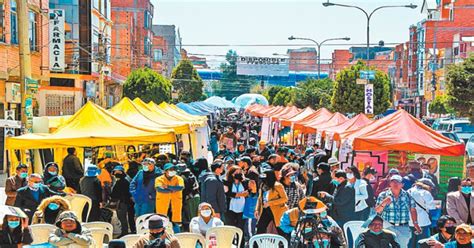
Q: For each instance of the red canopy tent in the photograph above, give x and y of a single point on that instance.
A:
(354, 123)
(336, 119)
(321, 113)
(312, 121)
(254, 107)
(286, 113)
(301, 115)
(401, 131)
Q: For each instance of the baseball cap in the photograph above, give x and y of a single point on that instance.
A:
(119, 168)
(427, 182)
(333, 161)
(393, 171)
(148, 160)
(397, 178)
(464, 227)
(169, 166)
(287, 171)
(262, 142)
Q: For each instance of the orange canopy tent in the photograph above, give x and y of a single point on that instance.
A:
(336, 119)
(260, 112)
(286, 122)
(354, 123)
(401, 131)
(320, 116)
(288, 112)
(253, 107)
(270, 111)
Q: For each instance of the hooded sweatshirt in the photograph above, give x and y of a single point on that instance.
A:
(81, 236)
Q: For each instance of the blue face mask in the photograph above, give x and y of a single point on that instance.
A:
(23, 174)
(323, 214)
(145, 168)
(335, 182)
(13, 224)
(53, 173)
(91, 173)
(466, 189)
(293, 179)
(53, 206)
(35, 186)
(324, 243)
(308, 230)
(375, 233)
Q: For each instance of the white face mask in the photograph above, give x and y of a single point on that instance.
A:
(350, 175)
(206, 212)
(172, 173)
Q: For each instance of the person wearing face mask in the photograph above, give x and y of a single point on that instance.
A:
(212, 188)
(49, 210)
(376, 236)
(463, 236)
(15, 182)
(271, 204)
(236, 189)
(293, 189)
(460, 204)
(343, 199)
(142, 187)
(158, 234)
(29, 197)
(370, 175)
(15, 232)
(72, 169)
(446, 227)
(205, 220)
(70, 233)
(122, 196)
(169, 191)
(360, 188)
(92, 188)
(52, 179)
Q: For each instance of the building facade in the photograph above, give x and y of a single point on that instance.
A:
(303, 59)
(169, 47)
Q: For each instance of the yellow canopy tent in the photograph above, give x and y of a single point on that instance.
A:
(143, 117)
(91, 126)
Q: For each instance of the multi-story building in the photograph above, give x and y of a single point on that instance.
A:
(303, 59)
(10, 97)
(132, 35)
(340, 59)
(199, 62)
(169, 47)
(88, 30)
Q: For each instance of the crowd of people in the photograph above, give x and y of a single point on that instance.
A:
(301, 193)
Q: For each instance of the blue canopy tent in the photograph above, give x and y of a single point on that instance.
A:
(206, 107)
(190, 109)
(245, 100)
(219, 102)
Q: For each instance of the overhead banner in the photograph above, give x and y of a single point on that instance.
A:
(369, 99)
(262, 66)
(56, 37)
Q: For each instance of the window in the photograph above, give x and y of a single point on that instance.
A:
(147, 46)
(13, 23)
(451, 14)
(157, 55)
(32, 31)
(147, 19)
(2, 23)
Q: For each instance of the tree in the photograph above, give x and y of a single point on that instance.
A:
(187, 82)
(233, 85)
(440, 105)
(348, 97)
(271, 92)
(460, 88)
(147, 85)
(314, 93)
(284, 97)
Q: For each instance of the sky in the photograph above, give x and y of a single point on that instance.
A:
(212, 27)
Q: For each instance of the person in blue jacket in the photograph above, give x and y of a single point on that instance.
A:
(142, 187)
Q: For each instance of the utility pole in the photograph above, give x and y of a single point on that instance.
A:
(25, 54)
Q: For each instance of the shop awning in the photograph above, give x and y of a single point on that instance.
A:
(92, 126)
(401, 131)
(316, 118)
(354, 123)
(300, 116)
(336, 119)
(288, 112)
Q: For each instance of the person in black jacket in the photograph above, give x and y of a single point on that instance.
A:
(376, 236)
(323, 181)
(121, 194)
(29, 197)
(212, 189)
(343, 199)
(15, 232)
(369, 174)
(236, 190)
(91, 187)
(72, 169)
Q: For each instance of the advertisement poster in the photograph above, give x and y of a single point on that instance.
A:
(432, 160)
(265, 129)
(377, 160)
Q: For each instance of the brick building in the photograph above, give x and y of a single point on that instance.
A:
(340, 59)
(132, 36)
(303, 59)
(169, 46)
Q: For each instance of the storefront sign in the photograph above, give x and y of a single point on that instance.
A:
(262, 66)
(369, 99)
(56, 37)
(13, 92)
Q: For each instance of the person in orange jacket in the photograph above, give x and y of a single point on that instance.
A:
(169, 189)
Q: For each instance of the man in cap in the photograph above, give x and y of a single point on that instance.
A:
(157, 234)
(334, 164)
(212, 188)
(420, 192)
(70, 233)
(293, 189)
(384, 183)
(92, 188)
(143, 189)
(169, 191)
(396, 206)
(463, 236)
(376, 236)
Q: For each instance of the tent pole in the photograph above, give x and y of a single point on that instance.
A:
(190, 145)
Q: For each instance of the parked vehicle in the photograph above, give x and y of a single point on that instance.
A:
(462, 127)
(451, 135)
